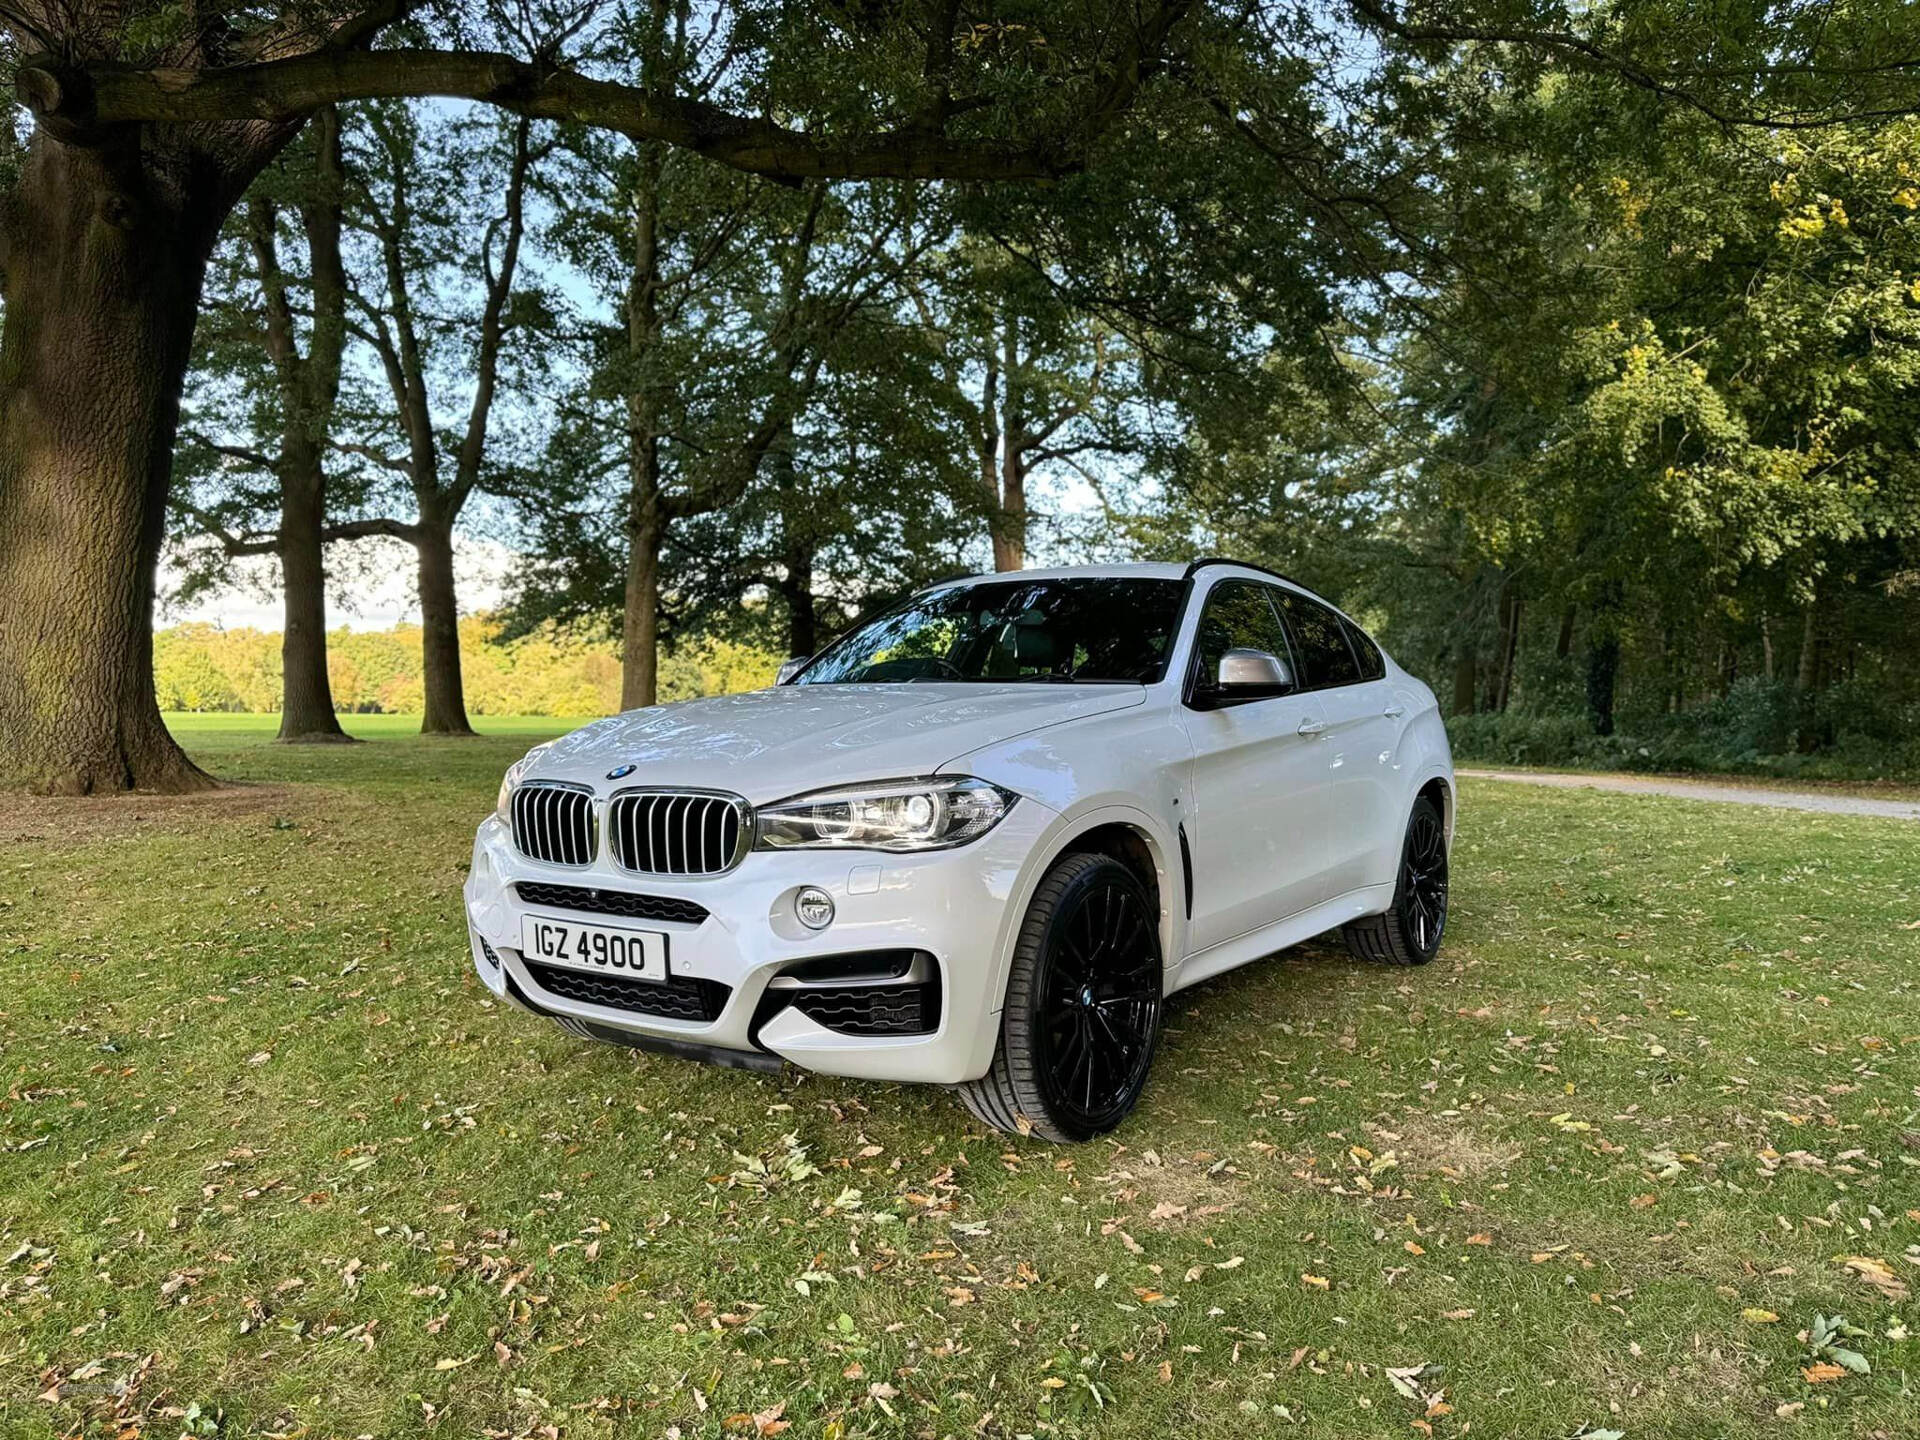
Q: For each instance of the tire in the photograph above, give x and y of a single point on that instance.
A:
(1083, 1007)
(1410, 932)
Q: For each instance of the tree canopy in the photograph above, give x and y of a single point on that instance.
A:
(1572, 343)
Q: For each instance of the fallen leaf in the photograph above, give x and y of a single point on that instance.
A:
(1318, 1282)
(1877, 1274)
(1821, 1372)
(1755, 1316)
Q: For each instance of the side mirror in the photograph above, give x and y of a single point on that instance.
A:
(790, 668)
(1252, 672)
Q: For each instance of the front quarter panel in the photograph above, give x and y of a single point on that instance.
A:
(1129, 767)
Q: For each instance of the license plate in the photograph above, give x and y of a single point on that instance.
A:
(602, 949)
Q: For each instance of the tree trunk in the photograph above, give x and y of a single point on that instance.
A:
(646, 509)
(797, 552)
(1509, 646)
(1603, 667)
(1465, 673)
(1804, 671)
(1010, 534)
(440, 633)
(803, 630)
(1563, 647)
(101, 285)
(640, 621)
(306, 707)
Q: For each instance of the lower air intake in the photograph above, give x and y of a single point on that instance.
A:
(673, 999)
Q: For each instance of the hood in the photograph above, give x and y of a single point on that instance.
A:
(768, 744)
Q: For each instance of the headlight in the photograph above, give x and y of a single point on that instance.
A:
(901, 815)
(512, 778)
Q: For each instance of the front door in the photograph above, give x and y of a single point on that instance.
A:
(1260, 782)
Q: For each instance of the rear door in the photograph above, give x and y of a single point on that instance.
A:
(1344, 672)
(1260, 781)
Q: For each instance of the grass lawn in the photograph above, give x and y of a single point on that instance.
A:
(274, 1165)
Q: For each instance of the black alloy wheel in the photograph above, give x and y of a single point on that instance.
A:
(1410, 932)
(1083, 1007)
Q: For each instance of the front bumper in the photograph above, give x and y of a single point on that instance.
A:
(954, 906)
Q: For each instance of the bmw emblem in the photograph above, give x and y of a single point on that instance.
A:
(620, 772)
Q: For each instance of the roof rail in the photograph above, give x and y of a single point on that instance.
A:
(1196, 566)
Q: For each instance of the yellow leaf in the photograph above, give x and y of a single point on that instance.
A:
(1753, 1315)
(1318, 1282)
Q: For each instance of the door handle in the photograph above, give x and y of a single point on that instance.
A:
(1394, 711)
(1312, 727)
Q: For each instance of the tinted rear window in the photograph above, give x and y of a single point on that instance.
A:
(1373, 665)
(1319, 641)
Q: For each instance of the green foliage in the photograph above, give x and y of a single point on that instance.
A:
(548, 672)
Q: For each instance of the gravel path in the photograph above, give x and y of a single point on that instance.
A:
(1707, 790)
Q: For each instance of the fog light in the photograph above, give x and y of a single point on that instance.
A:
(814, 908)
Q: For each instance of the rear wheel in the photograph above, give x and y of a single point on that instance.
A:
(1083, 1006)
(1409, 933)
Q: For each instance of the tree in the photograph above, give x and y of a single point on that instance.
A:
(874, 497)
(415, 207)
(1028, 372)
(271, 351)
(146, 135)
(735, 295)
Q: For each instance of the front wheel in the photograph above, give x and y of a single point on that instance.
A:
(1409, 933)
(1083, 1007)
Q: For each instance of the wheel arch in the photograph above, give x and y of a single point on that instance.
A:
(1439, 789)
(1127, 835)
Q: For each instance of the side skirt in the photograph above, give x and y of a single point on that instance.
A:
(1257, 944)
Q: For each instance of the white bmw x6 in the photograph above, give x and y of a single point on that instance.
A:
(978, 840)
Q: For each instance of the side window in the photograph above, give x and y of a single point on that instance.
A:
(1372, 666)
(1319, 640)
(1238, 617)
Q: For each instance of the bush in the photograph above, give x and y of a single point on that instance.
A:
(1756, 728)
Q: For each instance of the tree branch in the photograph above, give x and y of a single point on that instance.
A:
(379, 525)
(368, 452)
(85, 99)
(231, 545)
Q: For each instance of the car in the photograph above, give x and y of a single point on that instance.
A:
(978, 840)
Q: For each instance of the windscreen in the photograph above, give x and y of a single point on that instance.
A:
(1084, 628)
